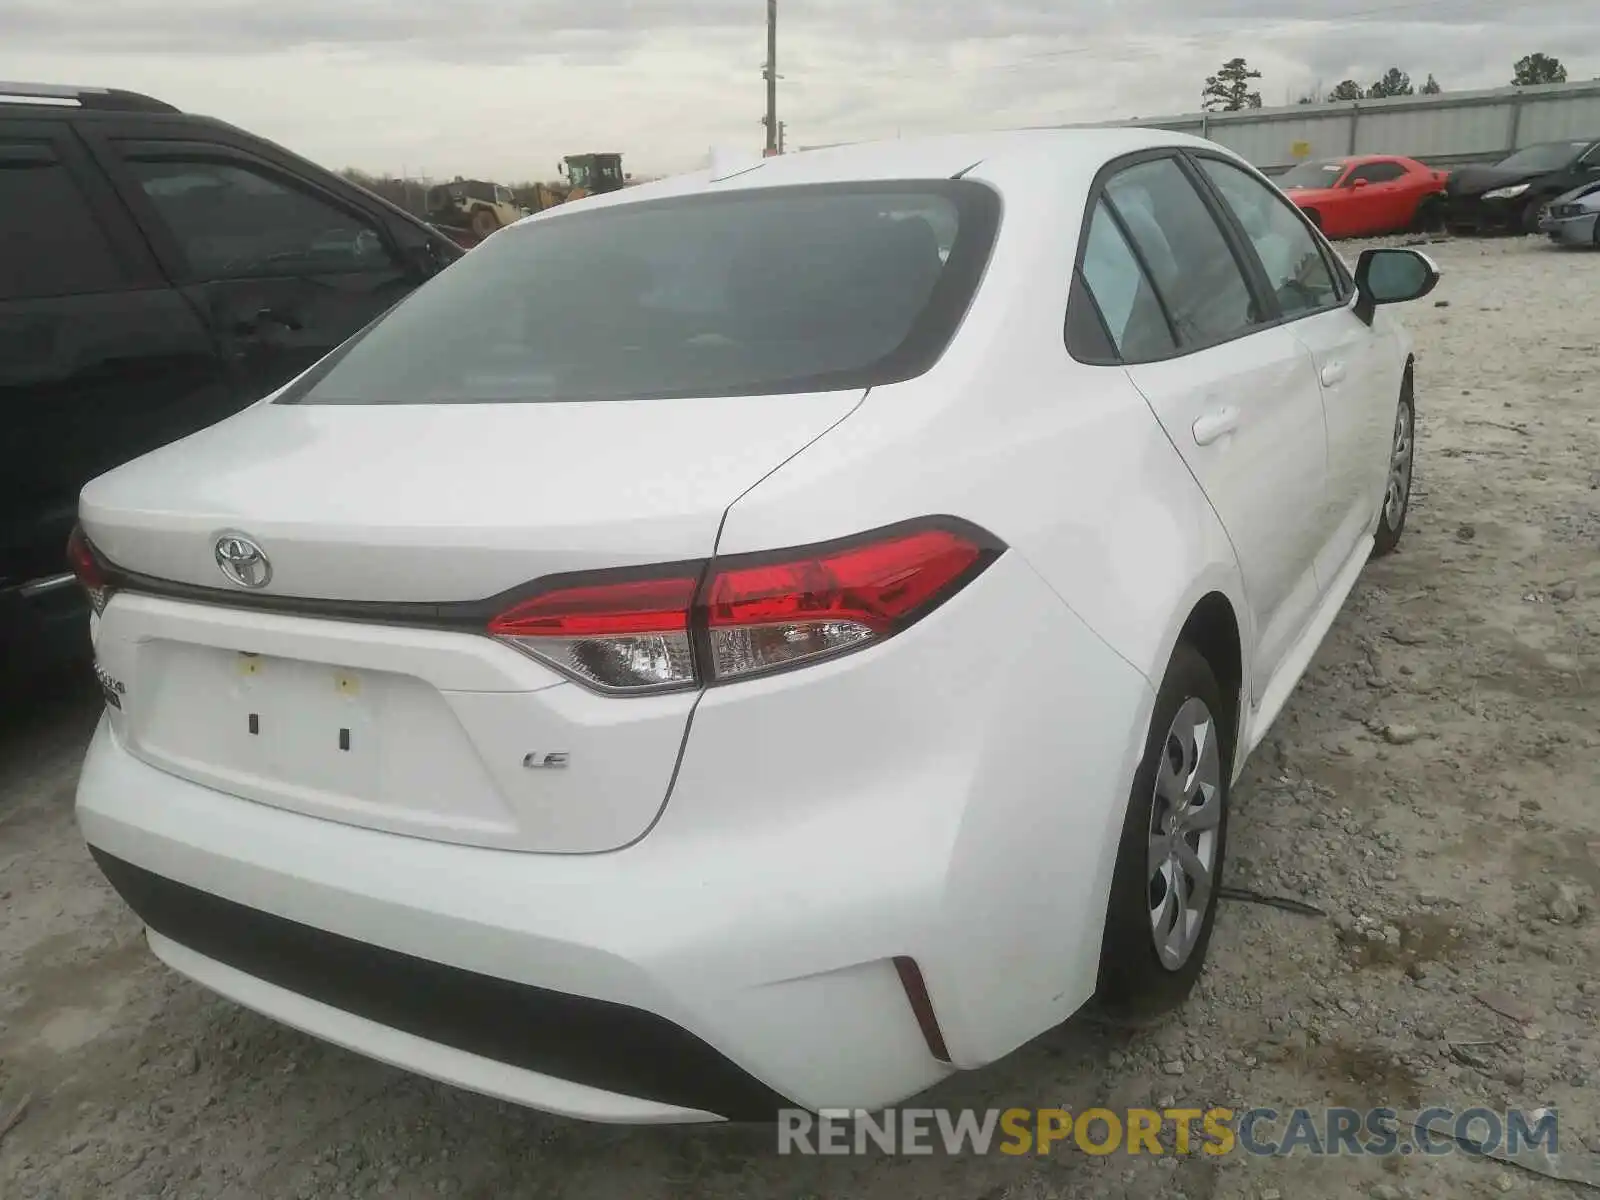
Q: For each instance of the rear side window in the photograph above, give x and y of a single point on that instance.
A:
(1128, 304)
(50, 242)
(761, 291)
(234, 222)
(1190, 262)
(1382, 172)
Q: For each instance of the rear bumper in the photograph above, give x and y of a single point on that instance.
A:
(607, 987)
(952, 800)
(319, 976)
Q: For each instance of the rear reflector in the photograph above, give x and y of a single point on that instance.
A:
(916, 989)
(84, 564)
(746, 615)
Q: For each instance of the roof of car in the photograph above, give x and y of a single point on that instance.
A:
(941, 157)
(951, 154)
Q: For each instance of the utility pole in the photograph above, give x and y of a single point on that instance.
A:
(771, 121)
(783, 127)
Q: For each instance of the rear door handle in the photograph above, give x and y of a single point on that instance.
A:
(1332, 373)
(1210, 427)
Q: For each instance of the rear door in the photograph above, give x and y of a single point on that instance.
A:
(100, 359)
(281, 265)
(1236, 394)
(1354, 364)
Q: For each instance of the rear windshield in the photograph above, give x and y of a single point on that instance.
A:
(760, 291)
(1549, 156)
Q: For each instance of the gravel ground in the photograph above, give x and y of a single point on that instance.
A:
(1432, 787)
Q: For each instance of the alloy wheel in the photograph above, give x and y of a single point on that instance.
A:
(1185, 813)
(1398, 492)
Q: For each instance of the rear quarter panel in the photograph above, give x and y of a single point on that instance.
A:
(1065, 462)
(1068, 466)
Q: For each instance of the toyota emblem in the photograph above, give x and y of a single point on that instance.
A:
(242, 561)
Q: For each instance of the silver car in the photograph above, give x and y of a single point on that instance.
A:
(1573, 218)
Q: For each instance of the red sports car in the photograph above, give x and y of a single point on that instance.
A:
(1366, 195)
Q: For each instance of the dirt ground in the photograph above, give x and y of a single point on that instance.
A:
(1434, 787)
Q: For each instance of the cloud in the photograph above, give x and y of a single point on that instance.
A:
(485, 88)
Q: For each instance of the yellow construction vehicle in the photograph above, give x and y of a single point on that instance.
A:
(469, 210)
(592, 174)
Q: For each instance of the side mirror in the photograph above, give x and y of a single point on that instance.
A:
(1392, 276)
(1359, 183)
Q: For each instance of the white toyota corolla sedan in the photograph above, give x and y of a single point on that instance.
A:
(750, 641)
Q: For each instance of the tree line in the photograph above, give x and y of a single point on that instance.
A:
(1230, 90)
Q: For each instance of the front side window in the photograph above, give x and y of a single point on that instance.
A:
(1296, 270)
(1190, 262)
(1124, 296)
(1311, 175)
(756, 292)
(235, 222)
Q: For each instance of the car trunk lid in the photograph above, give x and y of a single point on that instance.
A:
(338, 688)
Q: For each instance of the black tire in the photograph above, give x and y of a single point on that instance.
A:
(1390, 525)
(1530, 216)
(1430, 216)
(1314, 217)
(484, 222)
(1133, 978)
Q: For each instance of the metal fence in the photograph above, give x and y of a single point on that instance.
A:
(1444, 130)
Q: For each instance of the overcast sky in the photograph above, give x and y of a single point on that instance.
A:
(502, 90)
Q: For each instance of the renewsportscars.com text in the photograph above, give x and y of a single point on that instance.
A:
(1260, 1132)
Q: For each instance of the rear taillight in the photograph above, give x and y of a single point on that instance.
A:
(793, 609)
(688, 625)
(86, 566)
(623, 635)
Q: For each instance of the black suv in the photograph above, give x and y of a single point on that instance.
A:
(158, 271)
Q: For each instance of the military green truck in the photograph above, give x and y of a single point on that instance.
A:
(473, 204)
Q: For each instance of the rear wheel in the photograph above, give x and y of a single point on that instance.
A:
(1314, 217)
(484, 222)
(1169, 862)
(1430, 215)
(1397, 488)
